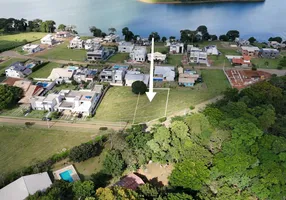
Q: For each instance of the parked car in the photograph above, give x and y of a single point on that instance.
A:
(47, 119)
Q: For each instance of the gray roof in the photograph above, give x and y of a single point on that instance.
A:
(17, 66)
(25, 186)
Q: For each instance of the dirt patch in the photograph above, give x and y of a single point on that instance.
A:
(156, 173)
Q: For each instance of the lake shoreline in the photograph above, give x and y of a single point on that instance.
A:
(200, 1)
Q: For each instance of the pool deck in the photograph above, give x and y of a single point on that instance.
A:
(74, 174)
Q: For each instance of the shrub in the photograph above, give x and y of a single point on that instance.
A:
(113, 163)
(192, 107)
(139, 87)
(84, 151)
(253, 68)
(103, 128)
(280, 67)
(162, 119)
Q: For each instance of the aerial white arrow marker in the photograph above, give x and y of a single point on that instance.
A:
(151, 94)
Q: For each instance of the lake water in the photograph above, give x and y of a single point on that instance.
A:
(252, 19)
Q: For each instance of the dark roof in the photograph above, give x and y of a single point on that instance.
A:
(130, 181)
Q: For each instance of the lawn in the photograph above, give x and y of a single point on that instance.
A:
(174, 59)
(20, 146)
(262, 62)
(65, 87)
(118, 58)
(19, 112)
(119, 103)
(226, 51)
(62, 52)
(219, 61)
(45, 71)
(7, 63)
(14, 40)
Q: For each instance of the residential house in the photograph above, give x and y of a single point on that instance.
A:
(94, 43)
(132, 76)
(114, 76)
(46, 85)
(276, 45)
(241, 42)
(250, 51)
(81, 102)
(85, 75)
(61, 75)
(211, 50)
(63, 34)
(164, 73)
(242, 61)
(111, 38)
(269, 53)
(17, 70)
(48, 103)
(138, 54)
(28, 90)
(158, 57)
(48, 39)
(31, 48)
(106, 75)
(96, 54)
(198, 56)
(76, 43)
(21, 188)
(177, 48)
(125, 47)
(130, 181)
(187, 78)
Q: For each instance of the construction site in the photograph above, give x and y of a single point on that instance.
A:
(242, 78)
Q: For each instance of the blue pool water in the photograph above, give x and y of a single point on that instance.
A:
(67, 176)
(72, 67)
(42, 84)
(119, 66)
(30, 66)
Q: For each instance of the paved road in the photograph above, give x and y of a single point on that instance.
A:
(87, 125)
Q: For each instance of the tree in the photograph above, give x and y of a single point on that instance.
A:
(9, 96)
(232, 34)
(203, 29)
(139, 87)
(127, 34)
(282, 62)
(116, 193)
(62, 27)
(213, 37)
(154, 35)
(113, 163)
(277, 39)
(83, 189)
(95, 31)
(164, 39)
(188, 36)
(251, 40)
(172, 38)
(112, 30)
(189, 175)
(103, 34)
(224, 38)
(84, 151)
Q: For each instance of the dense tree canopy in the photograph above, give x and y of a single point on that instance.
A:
(154, 35)
(113, 163)
(277, 39)
(9, 96)
(95, 31)
(128, 35)
(251, 40)
(232, 34)
(139, 87)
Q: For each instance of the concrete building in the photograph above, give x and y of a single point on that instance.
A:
(21, 188)
(244, 61)
(63, 34)
(242, 42)
(125, 47)
(133, 76)
(46, 103)
(31, 48)
(164, 73)
(76, 43)
(211, 50)
(269, 53)
(276, 45)
(198, 56)
(111, 38)
(96, 54)
(138, 54)
(158, 57)
(48, 39)
(94, 43)
(177, 48)
(61, 74)
(85, 75)
(114, 76)
(17, 70)
(250, 51)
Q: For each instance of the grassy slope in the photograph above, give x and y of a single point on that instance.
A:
(118, 58)
(119, 103)
(61, 52)
(14, 40)
(21, 146)
(45, 71)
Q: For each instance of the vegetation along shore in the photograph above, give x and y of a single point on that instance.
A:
(195, 1)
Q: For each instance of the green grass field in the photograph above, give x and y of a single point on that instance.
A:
(226, 51)
(62, 52)
(7, 63)
(119, 103)
(219, 61)
(19, 112)
(45, 71)
(174, 59)
(14, 40)
(20, 146)
(118, 58)
(262, 62)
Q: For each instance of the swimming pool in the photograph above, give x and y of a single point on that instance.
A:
(42, 84)
(30, 65)
(66, 176)
(72, 67)
(119, 66)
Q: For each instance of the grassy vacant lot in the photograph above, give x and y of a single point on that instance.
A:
(19, 112)
(20, 147)
(174, 59)
(14, 40)
(266, 62)
(119, 103)
(45, 71)
(118, 58)
(219, 61)
(62, 52)
(7, 63)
